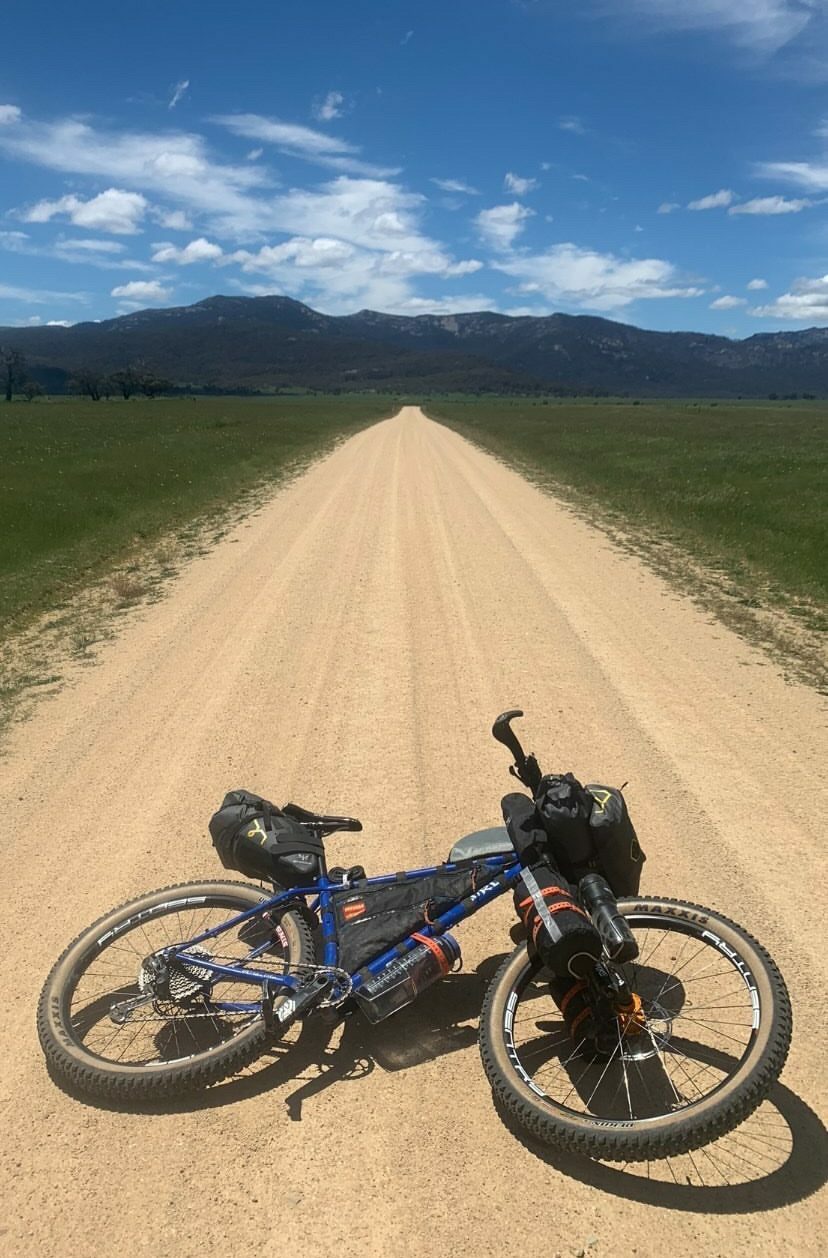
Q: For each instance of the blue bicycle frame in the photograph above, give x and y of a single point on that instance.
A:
(505, 871)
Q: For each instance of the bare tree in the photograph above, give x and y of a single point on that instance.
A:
(87, 382)
(13, 369)
(148, 382)
(31, 390)
(127, 381)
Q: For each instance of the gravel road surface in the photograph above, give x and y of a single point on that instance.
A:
(347, 648)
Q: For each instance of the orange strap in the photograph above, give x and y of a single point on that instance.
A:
(434, 947)
(544, 891)
(578, 1019)
(573, 991)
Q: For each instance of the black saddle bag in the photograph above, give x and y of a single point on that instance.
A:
(259, 840)
(372, 918)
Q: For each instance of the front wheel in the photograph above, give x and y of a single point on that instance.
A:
(712, 1041)
(108, 1032)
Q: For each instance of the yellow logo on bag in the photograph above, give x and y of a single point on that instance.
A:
(258, 832)
(602, 798)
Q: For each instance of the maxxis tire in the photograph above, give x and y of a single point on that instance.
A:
(83, 1072)
(663, 1137)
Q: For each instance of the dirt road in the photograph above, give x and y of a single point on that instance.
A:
(348, 648)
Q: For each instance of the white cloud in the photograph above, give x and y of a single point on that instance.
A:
(178, 92)
(329, 108)
(93, 246)
(456, 185)
(254, 155)
(764, 26)
(771, 205)
(727, 303)
(573, 124)
(715, 201)
(105, 254)
(59, 323)
(756, 285)
(9, 114)
(300, 251)
(174, 164)
(520, 187)
(143, 290)
(812, 176)
(500, 225)
(406, 37)
(174, 220)
(113, 211)
(303, 142)
(15, 242)
(337, 275)
(472, 303)
(37, 296)
(570, 275)
(667, 207)
(369, 212)
(806, 302)
(199, 250)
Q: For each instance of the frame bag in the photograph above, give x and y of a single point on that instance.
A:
(372, 918)
(259, 840)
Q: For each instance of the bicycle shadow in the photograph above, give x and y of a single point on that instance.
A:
(773, 1172)
(785, 1170)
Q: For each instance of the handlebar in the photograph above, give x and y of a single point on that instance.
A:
(526, 768)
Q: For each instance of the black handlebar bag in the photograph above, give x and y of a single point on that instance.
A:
(581, 829)
(564, 807)
(259, 840)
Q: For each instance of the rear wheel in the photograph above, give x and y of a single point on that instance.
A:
(712, 1041)
(106, 1031)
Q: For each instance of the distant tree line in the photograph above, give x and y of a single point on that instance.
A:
(137, 378)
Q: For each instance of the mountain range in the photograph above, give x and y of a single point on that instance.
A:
(263, 343)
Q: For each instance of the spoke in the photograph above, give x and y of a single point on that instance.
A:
(682, 1017)
(624, 1066)
(667, 1074)
(603, 1074)
(679, 968)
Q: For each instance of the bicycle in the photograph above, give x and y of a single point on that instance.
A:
(185, 986)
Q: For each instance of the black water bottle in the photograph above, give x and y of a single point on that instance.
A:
(602, 906)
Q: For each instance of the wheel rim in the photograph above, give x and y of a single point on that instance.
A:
(702, 1009)
(110, 981)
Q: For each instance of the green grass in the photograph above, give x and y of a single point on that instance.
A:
(86, 485)
(741, 486)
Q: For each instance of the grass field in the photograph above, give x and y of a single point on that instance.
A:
(741, 486)
(83, 485)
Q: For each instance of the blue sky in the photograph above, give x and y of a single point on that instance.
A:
(661, 162)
